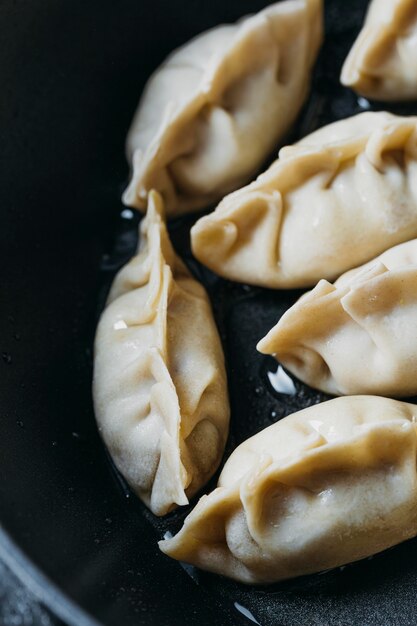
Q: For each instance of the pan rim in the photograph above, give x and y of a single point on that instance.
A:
(47, 592)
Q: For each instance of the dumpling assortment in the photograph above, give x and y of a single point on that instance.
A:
(212, 113)
(351, 181)
(333, 483)
(328, 485)
(382, 64)
(358, 335)
(160, 390)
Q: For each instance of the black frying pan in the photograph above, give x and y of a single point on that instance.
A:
(71, 75)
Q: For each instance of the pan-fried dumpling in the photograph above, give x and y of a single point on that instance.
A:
(383, 61)
(336, 199)
(160, 391)
(328, 485)
(358, 335)
(214, 110)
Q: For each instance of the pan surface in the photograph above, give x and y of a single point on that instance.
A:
(71, 75)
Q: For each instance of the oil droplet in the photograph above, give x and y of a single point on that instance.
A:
(127, 214)
(191, 571)
(7, 358)
(244, 611)
(364, 103)
(281, 382)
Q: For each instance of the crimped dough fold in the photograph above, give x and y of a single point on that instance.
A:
(358, 335)
(160, 390)
(211, 114)
(382, 63)
(330, 202)
(328, 485)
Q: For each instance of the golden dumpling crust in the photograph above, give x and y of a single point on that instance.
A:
(358, 335)
(382, 64)
(328, 485)
(217, 107)
(159, 388)
(351, 181)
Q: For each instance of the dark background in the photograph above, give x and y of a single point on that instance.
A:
(71, 74)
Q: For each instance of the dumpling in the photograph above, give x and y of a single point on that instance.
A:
(358, 335)
(334, 200)
(160, 390)
(214, 110)
(328, 485)
(383, 61)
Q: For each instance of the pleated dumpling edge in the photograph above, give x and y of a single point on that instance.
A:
(351, 181)
(382, 63)
(160, 388)
(217, 107)
(323, 487)
(358, 335)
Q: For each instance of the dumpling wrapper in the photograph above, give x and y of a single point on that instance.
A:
(212, 113)
(358, 335)
(382, 63)
(337, 198)
(328, 485)
(160, 389)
